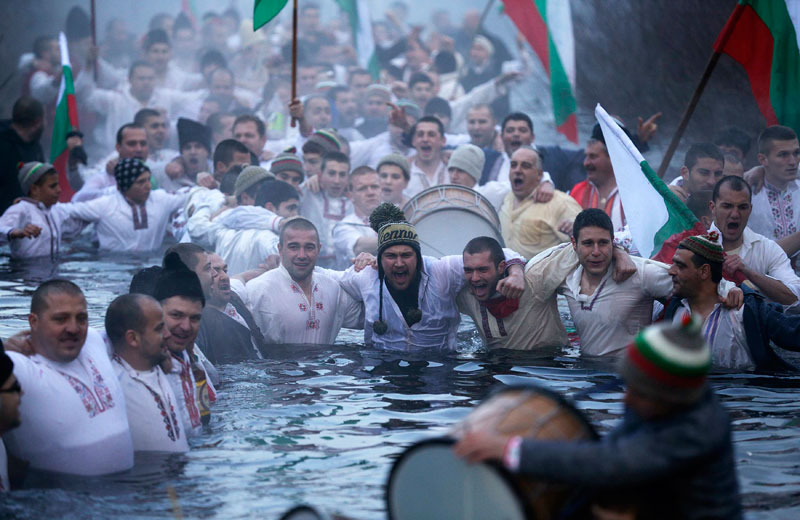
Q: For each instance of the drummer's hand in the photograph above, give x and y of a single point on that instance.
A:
(363, 260)
(624, 267)
(513, 285)
(312, 183)
(544, 192)
(479, 445)
(20, 342)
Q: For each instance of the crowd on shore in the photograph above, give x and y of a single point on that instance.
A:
(189, 141)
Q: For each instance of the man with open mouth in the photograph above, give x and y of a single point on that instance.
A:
(428, 167)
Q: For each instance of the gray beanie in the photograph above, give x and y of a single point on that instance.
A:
(469, 158)
(248, 177)
(398, 160)
(30, 172)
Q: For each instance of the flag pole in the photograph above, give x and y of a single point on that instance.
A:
(294, 56)
(687, 114)
(485, 13)
(94, 37)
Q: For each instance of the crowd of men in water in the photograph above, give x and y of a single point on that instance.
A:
(264, 220)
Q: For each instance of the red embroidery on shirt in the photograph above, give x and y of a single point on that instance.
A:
(303, 307)
(319, 306)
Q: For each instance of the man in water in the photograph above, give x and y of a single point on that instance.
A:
(672, 455)
(136, 330)
(394, 174)
(10, 394)
(73, 414)
(353, 235)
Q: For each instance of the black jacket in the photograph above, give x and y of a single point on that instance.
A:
(224, 340)
(14, 150)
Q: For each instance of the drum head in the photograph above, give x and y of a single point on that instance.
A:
(429, 481)
(447, 230)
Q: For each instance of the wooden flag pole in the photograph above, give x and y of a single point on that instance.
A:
(294, 56)
(485, 13)
(94, 37)
(687, 114)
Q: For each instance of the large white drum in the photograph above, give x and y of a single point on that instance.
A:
(448, 216)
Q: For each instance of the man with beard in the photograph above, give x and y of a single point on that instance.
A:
(19, 142)
(353, 235)
(317, 110)
(755, 256)
(293, 304)
(410, 300)
(228, 332)
(136, 330)
(10, 393)
(428, 168)
(73, 414)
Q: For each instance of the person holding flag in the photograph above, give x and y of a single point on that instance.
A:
(66, 121)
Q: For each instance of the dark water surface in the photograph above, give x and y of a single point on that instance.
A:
(322, 424)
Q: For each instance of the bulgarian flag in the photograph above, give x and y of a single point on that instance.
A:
(65, 121)
(361, 24)
(265, 10)
(547, 26)
(653, 212)
(762, 35)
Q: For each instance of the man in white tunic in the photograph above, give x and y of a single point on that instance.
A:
(293, 304)
(133, 218)
(428, 167)
(73, 411)
(135, 327)
(353, 235)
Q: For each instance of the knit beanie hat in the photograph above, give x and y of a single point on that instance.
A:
(381, 91)
(328, 139)
(390, 223)
(190, 131)
(287, 162)
(249, 177)
(705, 246)
(667, 362)
(469, 158)
(127, 171)
(398, 160)
(6, 365)
(30, 172)
(178, 280)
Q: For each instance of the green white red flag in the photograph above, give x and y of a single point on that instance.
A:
(361, 24)
(265, 10)
(762, 35)
(547, 26)
(653, 212)
(65, 121)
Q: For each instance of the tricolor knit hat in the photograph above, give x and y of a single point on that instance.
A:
(287, 162)
(705, 246)
(469, 158)
(127, 171)
(327, 139)
(668, 362)
(398, 160)
(249, 177)
(30, 172)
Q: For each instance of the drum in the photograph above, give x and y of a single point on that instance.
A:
(448, 216)
(428, 481)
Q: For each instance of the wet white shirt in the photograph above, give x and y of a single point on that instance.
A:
(73, 414)
(200, 205)
(325, 212)
(345, 235)
(153, 410)
(724, 331)
(54, 222)
(286, 316)
(184, 387)
(124, 227)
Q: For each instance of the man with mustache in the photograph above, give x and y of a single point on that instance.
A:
(73, 414)
(135, 327)
(599, 190)
(748, 253)
(293, 304)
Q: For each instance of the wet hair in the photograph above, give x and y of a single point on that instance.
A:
(145, 280)
(592, 217)
(299, 223)
(124, 314)
(698, 203)
(700, 151)
(438, 106)
(335, 157)
(516, 116)
(227, 184)
(733, 182)
(444, 62)
(144, 114)
(428, 119)
(41, 44)
(699, 261)
(249, 118)
(275, 192)
(733, 136)
(481, 244)
(225, 150)
(419, 77)
(27, 112)
(187, 252)
(774, 133)
(124, 127)
(56, 286)
(137, 65)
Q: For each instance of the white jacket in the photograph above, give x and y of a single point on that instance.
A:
(54, 222)
(244, 236)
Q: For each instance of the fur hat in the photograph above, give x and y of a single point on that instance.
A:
(191, 131)
(178, 280)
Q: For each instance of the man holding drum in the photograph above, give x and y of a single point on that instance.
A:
(672, 455)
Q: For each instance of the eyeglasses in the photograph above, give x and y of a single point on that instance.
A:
(14, 389)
